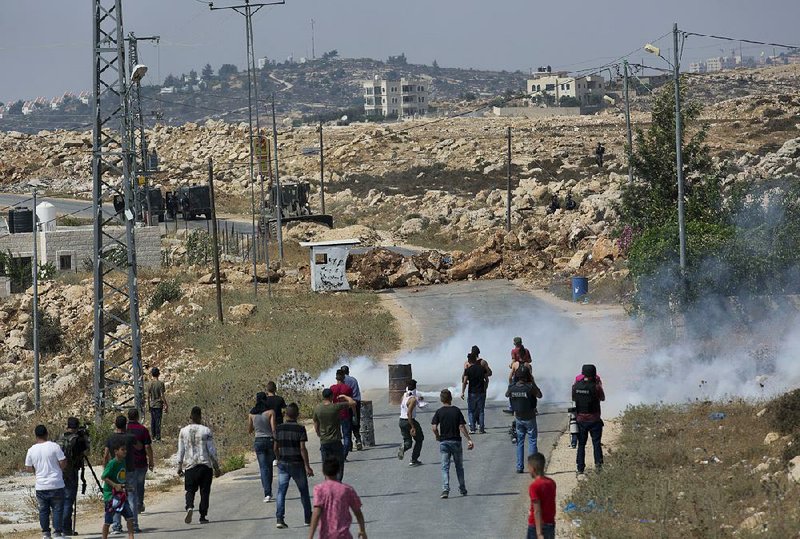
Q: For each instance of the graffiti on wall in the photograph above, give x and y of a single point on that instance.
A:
(330, 268)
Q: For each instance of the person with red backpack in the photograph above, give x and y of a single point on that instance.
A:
(587, 395)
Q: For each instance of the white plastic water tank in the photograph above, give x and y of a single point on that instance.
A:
(46, 216)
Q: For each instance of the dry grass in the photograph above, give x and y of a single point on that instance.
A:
(679, 473)
(294, 331)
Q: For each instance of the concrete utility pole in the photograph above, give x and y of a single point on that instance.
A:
(215, 240)
(278, 197)
(117, 345)
(628, 120)
(678, 150)
(35, 270)
(508, 186)
(313, 50)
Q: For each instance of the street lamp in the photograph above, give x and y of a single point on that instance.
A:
(652, 49)
(139, 71)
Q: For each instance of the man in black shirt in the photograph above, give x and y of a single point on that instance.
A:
(475, 377)
(448, 425)
(275, 403)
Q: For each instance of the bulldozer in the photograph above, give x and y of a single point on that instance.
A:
(294, 206)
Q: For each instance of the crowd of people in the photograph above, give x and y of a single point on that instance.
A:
(279, 440)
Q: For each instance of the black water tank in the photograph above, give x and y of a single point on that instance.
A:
(20, 220)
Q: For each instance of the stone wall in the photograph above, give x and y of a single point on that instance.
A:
(77, 244)
(536, 112)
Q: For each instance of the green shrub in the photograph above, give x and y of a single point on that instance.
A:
(47, 271)
(165, 291)
(233, 462)
(784, 413)
(50, 334)
(199, 246)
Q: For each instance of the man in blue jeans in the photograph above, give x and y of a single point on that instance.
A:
(142, 461)
(587, 395)
(523, 395)
(476, 377)
(47, 461)
(448, 424)
(290, 448)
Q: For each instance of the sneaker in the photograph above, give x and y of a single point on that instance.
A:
(472, 431)
(520, 470)
(463, 491)
(141, 508)
(401, 452)
(45, 536)
(482, 431)
(307, 524)
(507, 411)
(137, 529)
(116, 530)
(415, 463)
(281, 525)
(445, 494)
(359, 446)
(203, 520)
(267, 499)
(188, 519)
(514, 441)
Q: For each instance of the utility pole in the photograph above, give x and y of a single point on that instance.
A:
(508, 186)
(248, 10)
(628, 120)
(313, 50)
(117, 342)
(140, 155)
(214, 239)
(678, 150)
(37, 399)
(278, 197)
(321, 170)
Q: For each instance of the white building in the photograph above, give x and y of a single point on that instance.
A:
(401, 98)
(587, 90)
(697, 67)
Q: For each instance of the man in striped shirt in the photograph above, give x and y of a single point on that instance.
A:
(290, 448)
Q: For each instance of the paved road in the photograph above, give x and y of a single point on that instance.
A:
(399, 500)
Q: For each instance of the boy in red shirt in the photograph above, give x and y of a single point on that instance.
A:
(542, 518)
(333, 502)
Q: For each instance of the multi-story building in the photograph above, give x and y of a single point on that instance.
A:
(697, 67)
(400, 98)
(586, 90)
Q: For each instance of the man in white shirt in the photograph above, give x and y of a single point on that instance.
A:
(47, 461)
(197, 452)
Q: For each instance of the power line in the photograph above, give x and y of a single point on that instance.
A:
(740, 40)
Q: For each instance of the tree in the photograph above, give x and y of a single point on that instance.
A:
(227, 70)
(400, 59)
(208, 72)
(330, 55)
(15, 107)
(193, 76)
(171, 80)
(435, 65)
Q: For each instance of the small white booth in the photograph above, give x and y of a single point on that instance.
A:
(328, 264)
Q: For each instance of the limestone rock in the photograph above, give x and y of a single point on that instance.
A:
(404, 273)
(476, 264)
(794, 469)
(771, 438)
(243, 310)
(578, 259)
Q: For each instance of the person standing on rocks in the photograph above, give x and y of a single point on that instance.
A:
(261, 422)
(328, 427)
(352, 383)
(142, 461)
(523, 395)
(345, 416)
(157, 402)
(448, 425)
(587, 395)
(197, 454)
(409, 427)
(599, 152)
(475, 377)
(293, 463)
(74, 443)
(47, 461)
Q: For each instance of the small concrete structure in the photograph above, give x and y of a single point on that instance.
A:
(328, 264)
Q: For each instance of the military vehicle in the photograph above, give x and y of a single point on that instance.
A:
(156, 203)
(294, 206)
(190, 201)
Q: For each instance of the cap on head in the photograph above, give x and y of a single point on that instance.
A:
(327, 393)
(73, 423)
(517, 341)
(154, 371)
(589, 371)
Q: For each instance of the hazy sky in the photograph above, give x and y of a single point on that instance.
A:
(45, 45)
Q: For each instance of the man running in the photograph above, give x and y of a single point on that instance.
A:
(197, 451)
(328, 427)
(409, 427)
(345, 416)
(523, 395)
(475, 377)
(448, 425)
(352, 383)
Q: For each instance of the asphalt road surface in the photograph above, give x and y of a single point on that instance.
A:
(398, 500)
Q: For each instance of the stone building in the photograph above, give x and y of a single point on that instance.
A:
(400, 98)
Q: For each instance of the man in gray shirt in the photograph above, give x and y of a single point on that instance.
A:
(352, 383)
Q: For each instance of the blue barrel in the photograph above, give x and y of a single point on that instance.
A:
(580, 287)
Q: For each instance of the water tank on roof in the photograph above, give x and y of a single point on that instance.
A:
(20, 220)
(46, 216)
